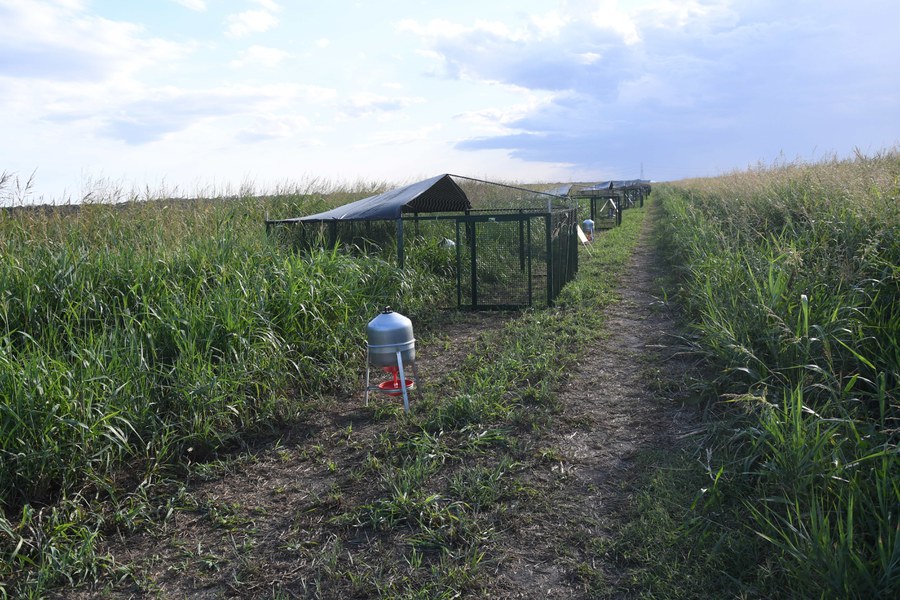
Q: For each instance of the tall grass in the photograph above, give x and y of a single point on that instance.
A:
(790, 275)
(143, 334)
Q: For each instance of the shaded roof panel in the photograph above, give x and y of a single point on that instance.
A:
(437, 194)
(616, 185)
(630, 183)
(561, 190)
(600, 185)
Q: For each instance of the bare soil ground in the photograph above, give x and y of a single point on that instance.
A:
(617, 403)
(258, 523)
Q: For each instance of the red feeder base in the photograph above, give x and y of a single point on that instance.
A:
(393, 388)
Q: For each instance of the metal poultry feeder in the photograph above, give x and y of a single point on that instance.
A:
(390, 345)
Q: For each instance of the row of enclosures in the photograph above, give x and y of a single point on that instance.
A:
(500, 246)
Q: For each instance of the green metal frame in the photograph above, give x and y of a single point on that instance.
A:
(470, 224)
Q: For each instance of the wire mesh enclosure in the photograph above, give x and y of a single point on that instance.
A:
(512, 260)
(606, 200)
(508, 247)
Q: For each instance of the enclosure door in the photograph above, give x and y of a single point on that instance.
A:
(493, 262)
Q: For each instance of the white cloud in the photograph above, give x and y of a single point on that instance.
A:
(549, 24)
(680, 15)
(270, 127)
(588, 58)
(314, 94)
(399, 137)
(269, 5)
(363, 105)
(444, 29)
(142, 115)
(260, 56)
(553, 58)
(681, 84)
(666, 71)
(608, 16)
(57, 41)
(501, 120)
(250, 22)
(197, 5)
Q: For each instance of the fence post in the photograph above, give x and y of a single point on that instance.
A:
(458, 267)
(400, 256)
(573, 247)
(530, 283)
(473, 263)
(549, 242)
(521, 242)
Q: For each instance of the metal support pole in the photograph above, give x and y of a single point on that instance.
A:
(521, 243)
(549, 242)
(530, 282)
(458, 266)
(400, 242)
(473, 260)
(403, 382)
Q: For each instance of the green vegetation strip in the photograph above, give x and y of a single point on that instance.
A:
(452, 476)
(138, 339)
(790, 278)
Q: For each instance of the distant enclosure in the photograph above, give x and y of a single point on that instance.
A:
(606, 200)
(504, 247)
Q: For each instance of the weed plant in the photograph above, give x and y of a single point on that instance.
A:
(790, 277)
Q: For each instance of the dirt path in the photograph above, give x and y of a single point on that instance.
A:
(259, 523)
(614, 408)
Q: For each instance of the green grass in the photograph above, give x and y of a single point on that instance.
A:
(437, 489)
(141, 337)
(789, 277)
(447, 474)
(140, 340)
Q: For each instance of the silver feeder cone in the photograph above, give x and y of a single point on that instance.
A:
(390, 345)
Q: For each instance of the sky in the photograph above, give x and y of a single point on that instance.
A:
(194, 97)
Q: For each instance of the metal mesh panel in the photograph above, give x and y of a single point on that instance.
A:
(429, 246)
(494, 257)
(507, 261)
(486, 195)
(603, 212)
(562, 244)
(515, 248)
